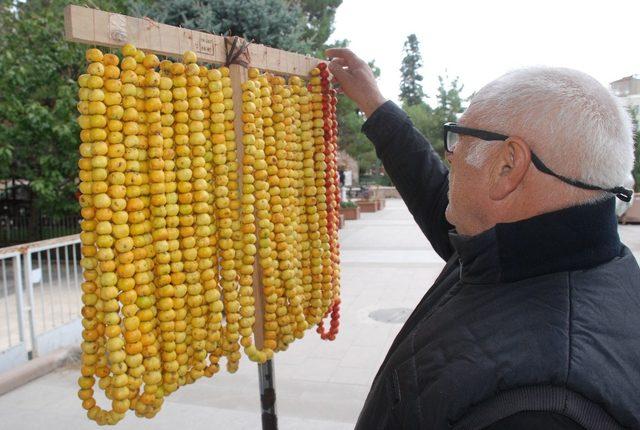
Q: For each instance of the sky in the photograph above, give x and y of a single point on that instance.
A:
(483, 39)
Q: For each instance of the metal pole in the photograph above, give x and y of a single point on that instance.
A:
(17, 276)
(268, 396)
(31, 307)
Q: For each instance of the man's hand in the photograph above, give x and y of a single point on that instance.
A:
(356, 79)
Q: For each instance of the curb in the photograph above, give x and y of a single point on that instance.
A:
(34, 369)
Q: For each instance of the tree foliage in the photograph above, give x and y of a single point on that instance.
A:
(300, 26)
(450, 104)
(411, 92)
(320, 15)
(38, 132)
(429, 120)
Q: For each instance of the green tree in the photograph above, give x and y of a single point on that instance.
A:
(449, 100)
(38, 132)
(277, 23)
(320, 15)
(411, 92)
(429, 120)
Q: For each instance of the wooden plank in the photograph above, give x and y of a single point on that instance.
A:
(238, 75)
(97, 27)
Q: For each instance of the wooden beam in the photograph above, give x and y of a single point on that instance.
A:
(97, 27)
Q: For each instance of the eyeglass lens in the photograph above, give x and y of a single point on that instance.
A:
(452, 140)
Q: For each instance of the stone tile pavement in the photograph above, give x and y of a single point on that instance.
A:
(386, 263)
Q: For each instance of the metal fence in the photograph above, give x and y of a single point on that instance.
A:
(13, 349)
(15, 229)
(48, 316)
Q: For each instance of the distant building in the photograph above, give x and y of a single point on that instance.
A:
(628, 89)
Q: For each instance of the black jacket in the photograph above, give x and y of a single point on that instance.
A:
(532, 324)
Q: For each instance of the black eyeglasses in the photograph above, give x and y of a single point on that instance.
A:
(452, 132)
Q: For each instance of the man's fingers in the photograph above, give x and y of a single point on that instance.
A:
(343, 53)
(340, 61)
(338, 71)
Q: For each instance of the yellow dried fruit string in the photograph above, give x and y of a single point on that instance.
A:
(301, 241)
(199, 258)
(168, 294)
(229, 239)
(155, 262)
(309, 252)
(266, 179)
(222, 211)
(254, 195)
(319, 242)
(134, 265)
(280, 212)
(217, 179)
(106, 304)
(92, 325)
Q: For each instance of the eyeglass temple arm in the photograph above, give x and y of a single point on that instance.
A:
(622, 193)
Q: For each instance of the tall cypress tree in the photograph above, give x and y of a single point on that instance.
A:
(411, 92)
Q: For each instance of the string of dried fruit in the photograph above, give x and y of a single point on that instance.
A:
(251, 106)
(131, 228)
(168, 295)
(310, 218)
(199, 235)
(330, 273)
(93, 328)
(153, 201)
(266, 180)
(223, 140)
(335, 239)
(297, 303)
(319, 238)
(280, 199)
(186, 240)
(106, 304)
(291, 269)
(206, 252)
(166, 244)
(158, 108)
(218, 182)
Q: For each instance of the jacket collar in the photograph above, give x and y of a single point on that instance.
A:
(575, 238)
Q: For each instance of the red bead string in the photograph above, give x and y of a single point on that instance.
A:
(332, 184)
(334, 324)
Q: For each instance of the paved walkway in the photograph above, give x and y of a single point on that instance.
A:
(387, 264)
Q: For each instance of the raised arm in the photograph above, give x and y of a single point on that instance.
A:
(408, 158)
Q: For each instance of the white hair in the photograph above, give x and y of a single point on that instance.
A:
(576, 126)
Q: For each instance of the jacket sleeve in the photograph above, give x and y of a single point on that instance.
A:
(534, 420)
(415, 168)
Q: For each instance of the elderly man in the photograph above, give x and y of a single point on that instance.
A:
(534, 321)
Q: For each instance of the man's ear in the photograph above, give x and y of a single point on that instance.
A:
(510, 165)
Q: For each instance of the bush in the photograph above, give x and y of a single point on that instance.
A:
(382, 180)
(348, 204)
